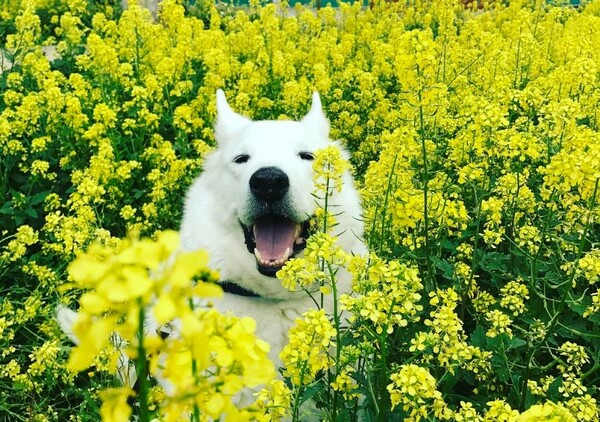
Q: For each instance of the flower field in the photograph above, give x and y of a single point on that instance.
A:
(474, 136)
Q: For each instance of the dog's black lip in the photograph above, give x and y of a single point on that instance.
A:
(268, 271)
(251, 244)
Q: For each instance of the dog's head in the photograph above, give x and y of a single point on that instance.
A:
(257, 188)
(271, 162)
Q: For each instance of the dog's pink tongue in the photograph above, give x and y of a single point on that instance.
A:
(273, 236)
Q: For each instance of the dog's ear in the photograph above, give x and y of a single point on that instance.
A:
(228, 121)
(315, 118)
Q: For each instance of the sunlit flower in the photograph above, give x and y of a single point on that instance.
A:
(308, 349)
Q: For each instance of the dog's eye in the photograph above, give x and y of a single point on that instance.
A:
(241, 159)
(309, 156)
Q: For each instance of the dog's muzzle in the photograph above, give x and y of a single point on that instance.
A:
(272, 236)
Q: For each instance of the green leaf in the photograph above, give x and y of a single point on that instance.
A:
(310, 391)
(478, 338)
(515, 343)
(38, 198)
(7, 208)
(31, 212)
(443, 265)
(493, 261)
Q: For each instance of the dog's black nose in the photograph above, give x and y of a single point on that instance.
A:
(269, 184)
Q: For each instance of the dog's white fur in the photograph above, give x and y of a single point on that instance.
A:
(220, 199)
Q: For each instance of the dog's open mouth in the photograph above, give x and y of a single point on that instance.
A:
(273, 240)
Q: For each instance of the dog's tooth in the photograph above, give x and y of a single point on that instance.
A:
(298, 230)
(299, 240)
(257, 255)
(286, 254)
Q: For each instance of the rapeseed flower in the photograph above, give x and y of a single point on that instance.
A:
(547, 412)
(307, 351)
(212, 358)
(414, 388)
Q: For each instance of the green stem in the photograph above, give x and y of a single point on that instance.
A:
(374, 398)
(478, 201)
(196, 409)
(383, 380)
(338, 338)
(429, 280)
(296, 406)
(142, 367)
(385, 207)
(590, 372)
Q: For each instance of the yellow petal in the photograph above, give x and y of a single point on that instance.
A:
(207, 290)
(214, 406)
(93, 303)
(114, 405)
(164, 309)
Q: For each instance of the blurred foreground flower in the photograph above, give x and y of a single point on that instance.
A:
(142, 289)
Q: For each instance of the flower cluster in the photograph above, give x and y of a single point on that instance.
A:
(308, 349)
(447, 340)
(385, 294)
(329, 168)
(203, 364)
(275, 400)
(414, 388)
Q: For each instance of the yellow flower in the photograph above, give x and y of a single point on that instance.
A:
(93, 336)
(514, 294)
(275, 400)
(500, 411)
(307, 351)
(210, 360)
(500, 323)
(17, 247)
(414, 388)
(114, 405)
(346, 384)
(329, 166)
(546, 412)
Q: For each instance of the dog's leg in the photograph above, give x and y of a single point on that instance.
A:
(66, 319)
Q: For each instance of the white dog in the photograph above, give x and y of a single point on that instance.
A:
(251, 209)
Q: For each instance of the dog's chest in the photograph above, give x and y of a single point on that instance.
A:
(273, 318)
